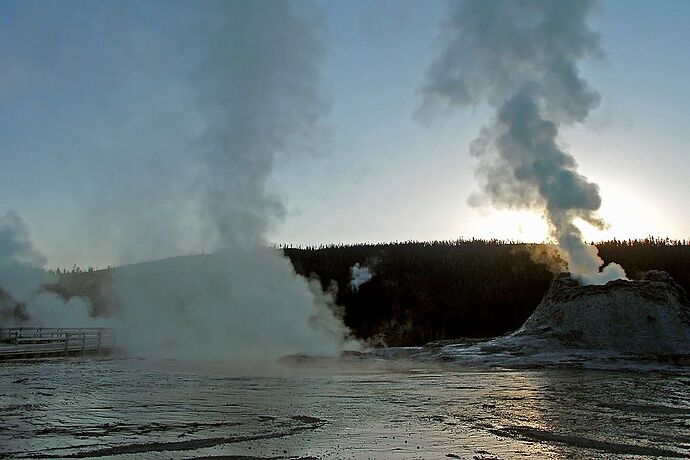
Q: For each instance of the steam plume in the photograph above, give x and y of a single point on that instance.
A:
(256, 88)
(359, 275)
(188, 106)
(24, 300)
(521, 58)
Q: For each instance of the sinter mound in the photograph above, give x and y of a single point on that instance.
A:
(649, 316)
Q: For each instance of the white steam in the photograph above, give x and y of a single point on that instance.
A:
(242, 304)
(521, 58)
(190, 104)
(24, 300)
(359, 275)
(256, 83)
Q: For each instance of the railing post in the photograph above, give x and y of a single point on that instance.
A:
(66, 343)
(83, 343)
(100, 351)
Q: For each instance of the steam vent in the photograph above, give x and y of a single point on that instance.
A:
(649, 316)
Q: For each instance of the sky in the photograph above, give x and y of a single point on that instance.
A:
(96, 130)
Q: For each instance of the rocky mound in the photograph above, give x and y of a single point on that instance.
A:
(648, 316)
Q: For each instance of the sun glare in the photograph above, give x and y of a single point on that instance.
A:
(525, 226)
(628, 215)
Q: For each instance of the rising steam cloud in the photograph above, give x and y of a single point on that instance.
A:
(24, 299)
(256, 87)
(521, 58)
(194, 102)
(359, 275)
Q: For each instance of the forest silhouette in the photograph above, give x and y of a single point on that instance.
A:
(426, 291)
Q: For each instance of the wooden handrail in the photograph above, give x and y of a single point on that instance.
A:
(38, 341)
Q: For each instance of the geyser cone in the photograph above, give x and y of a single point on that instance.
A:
(649, 316)
(642, 324)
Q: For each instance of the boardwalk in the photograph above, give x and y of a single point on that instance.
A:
(30, 342)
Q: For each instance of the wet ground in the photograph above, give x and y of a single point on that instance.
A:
(100, 408)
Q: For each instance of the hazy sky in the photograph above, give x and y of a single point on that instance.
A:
(95, 130)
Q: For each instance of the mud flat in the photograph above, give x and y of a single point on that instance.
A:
(358, 408)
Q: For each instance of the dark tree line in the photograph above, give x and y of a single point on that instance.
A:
(440, 290)
(638, 256)
(425, 291)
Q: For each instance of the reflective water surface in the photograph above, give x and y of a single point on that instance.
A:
(96, 407)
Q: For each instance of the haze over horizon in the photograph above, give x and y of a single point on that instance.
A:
(97, 124)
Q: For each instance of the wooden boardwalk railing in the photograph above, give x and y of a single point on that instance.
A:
(33, 342)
